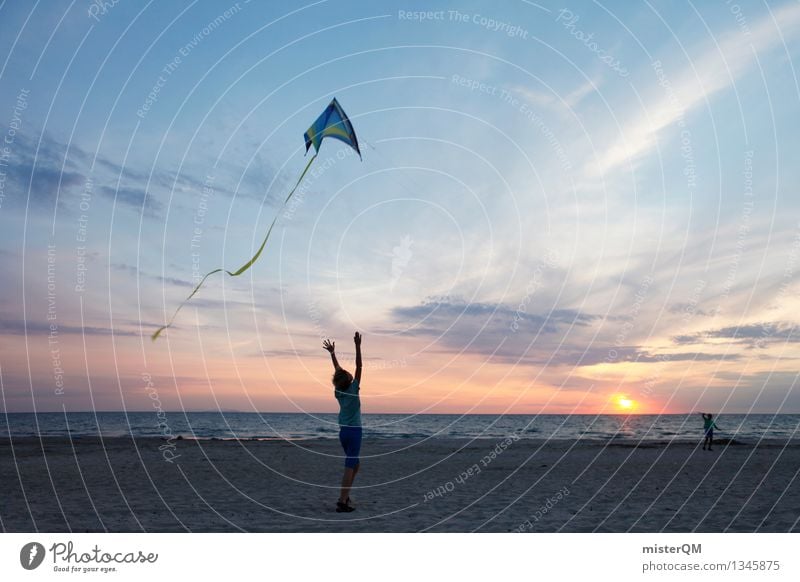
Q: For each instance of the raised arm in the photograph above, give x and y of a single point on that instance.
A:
(331, 347)
(357, 341)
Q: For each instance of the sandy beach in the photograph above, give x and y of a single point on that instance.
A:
(126, 485)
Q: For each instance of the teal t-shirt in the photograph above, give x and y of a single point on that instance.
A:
(349, 405)
(708, 423)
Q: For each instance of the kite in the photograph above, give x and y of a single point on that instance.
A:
(333, 122)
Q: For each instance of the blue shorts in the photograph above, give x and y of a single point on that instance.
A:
(350, 437)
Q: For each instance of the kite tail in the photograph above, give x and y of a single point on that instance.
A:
(241, 269)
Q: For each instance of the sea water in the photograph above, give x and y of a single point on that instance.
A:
(244, 425)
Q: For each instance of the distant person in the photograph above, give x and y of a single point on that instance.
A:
(708, 427)
(346, 390)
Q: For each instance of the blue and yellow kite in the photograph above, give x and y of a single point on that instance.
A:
(332, 123)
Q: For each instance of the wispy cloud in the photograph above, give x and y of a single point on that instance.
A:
(132, 270)
(36, 327)
(751, 335)
(438, 316)
(134, 198)
(717, 67)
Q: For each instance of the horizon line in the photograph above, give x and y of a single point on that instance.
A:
(400, 413)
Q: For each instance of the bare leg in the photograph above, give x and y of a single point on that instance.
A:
(347, 483)
(355, 472)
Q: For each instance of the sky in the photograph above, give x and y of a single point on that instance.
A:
(561, 208)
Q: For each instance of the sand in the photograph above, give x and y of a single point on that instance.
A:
(126, 485)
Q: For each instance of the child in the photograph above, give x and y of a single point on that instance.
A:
(346, 390)
(708, 426)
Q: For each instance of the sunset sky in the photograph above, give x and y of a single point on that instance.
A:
(574, 208)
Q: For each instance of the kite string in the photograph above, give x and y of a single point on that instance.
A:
(244, 267)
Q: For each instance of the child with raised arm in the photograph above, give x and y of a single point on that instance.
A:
(708, 427)
(346, 390)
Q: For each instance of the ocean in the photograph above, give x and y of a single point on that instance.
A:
(744, 428)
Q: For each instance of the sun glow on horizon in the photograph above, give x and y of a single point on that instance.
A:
(624, 403)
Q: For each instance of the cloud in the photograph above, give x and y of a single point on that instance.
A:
(715, 69)
(557, 338)
(35, 327)
(53, 171)
(498, 330)
(692, 309)
(39, 172)
(167, 180)
(643, 357)
(134, 198)
(751, 335)
(138, 273)
(46, 171)
(558, 102)
(286, 353)
(439, 315)
(45, 182)
(573, 356)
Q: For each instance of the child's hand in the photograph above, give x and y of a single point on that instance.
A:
(329, 345)
(357, 339)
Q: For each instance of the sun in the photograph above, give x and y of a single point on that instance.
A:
(625, 403)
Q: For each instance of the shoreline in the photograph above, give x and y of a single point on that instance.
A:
(589, 441)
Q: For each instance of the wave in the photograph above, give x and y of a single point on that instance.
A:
(285, 426)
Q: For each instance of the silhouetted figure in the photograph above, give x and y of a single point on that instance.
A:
(708, 427)
(346, 390)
